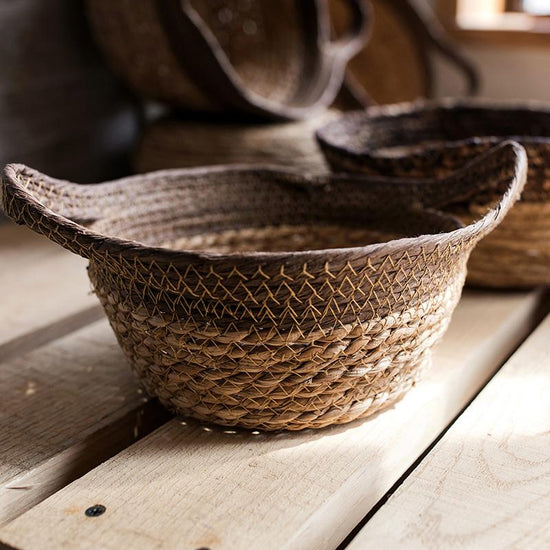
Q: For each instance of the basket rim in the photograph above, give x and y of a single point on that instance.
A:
(105, 244)
(423, 107)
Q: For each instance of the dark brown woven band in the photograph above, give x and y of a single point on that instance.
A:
(201, 56)
(59, 207)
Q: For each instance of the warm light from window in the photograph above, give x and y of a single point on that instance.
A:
(493, 14)
(537, 7)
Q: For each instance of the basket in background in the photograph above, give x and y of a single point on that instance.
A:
(272, 59)
(433, 138)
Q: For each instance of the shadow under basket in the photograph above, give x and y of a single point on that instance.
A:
(433, 138)
(265, 299)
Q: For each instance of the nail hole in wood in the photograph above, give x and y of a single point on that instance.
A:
(95, 510)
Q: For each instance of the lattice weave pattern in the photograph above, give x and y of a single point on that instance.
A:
(270, 340)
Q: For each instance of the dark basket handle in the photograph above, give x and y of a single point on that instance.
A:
(427, 26)
(202, 57)
(429, 31)
(353, 39)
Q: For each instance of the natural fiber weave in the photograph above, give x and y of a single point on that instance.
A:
(433, 138)
(274, 59)
(182, 143)
(297, 334)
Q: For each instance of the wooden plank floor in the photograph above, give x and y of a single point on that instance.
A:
(72, 403)
(66, 407)
(487, 482)
(45, 291)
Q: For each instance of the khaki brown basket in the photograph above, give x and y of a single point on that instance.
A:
(266, 299)
(274, 59)
(433, 138)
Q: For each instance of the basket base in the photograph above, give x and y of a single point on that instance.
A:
(272, 380)
(357, 411)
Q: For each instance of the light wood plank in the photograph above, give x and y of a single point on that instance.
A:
(186, 486)
(65, 408)
(45, 291)
(486, 484)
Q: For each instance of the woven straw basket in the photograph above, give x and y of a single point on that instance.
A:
(433, 138)
(266, 299)
(274, 59)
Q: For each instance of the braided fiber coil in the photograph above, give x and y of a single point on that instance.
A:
(433, 138)
(283, 337)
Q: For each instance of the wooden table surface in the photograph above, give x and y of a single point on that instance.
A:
(458, 463)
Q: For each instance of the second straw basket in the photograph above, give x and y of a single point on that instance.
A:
(433, 138)
(272, 59)
(265, 299)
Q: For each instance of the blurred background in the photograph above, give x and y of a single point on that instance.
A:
(70, 108)
(509, 41)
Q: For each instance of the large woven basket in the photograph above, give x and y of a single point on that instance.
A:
(400, 60)
(433, 138)
(274, 59)
(266, 299)
(182, 143)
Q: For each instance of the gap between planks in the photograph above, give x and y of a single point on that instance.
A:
(538, 317)
(486, 484)
(66, 407)
(45, 291)
(192, 486)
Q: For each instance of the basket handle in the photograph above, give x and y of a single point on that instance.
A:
(48, 206)
(500, 172)
(202, 57)
(353, 39)
(428, 26)
(496, 176)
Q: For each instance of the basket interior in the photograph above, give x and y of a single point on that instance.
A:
(457, 134)
(262, 40)
(251, 211)
(441, 124)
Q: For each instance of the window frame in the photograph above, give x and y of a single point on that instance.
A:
(537, 35)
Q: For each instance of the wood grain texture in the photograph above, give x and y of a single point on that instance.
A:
(42, 286)
(486, 484)
(191, 486)
(66, 407)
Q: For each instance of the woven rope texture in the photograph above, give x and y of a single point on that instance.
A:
(307, 330)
